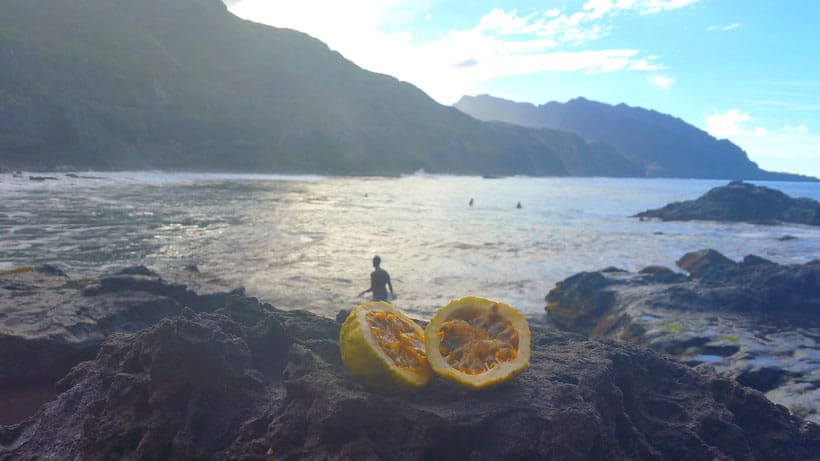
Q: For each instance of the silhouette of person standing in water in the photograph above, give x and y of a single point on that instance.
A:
(379, 280)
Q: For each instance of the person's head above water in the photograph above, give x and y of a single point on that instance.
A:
(376, 261)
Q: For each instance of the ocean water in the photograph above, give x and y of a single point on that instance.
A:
(306, 242)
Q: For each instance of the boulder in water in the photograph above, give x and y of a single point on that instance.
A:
(741, 201)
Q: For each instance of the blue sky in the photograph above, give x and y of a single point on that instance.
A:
(745, 70)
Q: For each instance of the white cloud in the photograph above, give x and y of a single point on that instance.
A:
(789, 105)
(727, 124)
(799, 129)
(555, 12)
(733, 26)
(656, 6)
(502, 42)
(792, 148)
(661, 81)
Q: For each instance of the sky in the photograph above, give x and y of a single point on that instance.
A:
(743, 70)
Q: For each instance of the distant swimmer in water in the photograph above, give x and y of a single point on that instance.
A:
(471, 202)
(379, 278)
(519, 205)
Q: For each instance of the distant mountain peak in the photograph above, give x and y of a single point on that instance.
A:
(661, 144)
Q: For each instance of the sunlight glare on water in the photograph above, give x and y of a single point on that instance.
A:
(306, 242)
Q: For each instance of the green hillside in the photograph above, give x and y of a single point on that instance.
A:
(184, 84)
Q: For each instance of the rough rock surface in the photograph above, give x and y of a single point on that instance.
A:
(741, 201)
(756, 321)
(50, 322)
(247, 381)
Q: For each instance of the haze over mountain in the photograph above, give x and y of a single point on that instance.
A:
(184, 84)
(659, 144)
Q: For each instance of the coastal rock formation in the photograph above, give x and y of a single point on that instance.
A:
(49, 322)
(248, 381)
(741, 201)
(756, 321)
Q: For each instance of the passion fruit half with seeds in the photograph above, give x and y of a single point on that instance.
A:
(384, 348)
(478, 343)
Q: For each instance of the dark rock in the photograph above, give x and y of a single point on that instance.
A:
(48, 324)
(251, 382)
(137, 270)
(613, 269)
(662, 274)
(341, 316)
(740, 201)
(740, 318)
(764, 379)
(723, 350)
(705, 264)
(13, 285)
(787, 238)
(751, 260)
(50, 269)
(579, 301)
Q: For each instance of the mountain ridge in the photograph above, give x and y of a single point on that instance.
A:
(186, 85)
(661, 144)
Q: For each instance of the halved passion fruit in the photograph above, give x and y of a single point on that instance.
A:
(478, 343)
(384, 348)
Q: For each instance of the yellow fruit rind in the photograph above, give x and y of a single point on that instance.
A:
(504, 367)
(364, 359)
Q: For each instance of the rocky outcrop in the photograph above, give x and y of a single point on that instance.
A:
(248, 381)
(740, 201)
(50, 322)
(240, 379)
(753, 320)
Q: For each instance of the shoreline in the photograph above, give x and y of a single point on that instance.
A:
(223, 375)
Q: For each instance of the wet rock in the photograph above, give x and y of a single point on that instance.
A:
(250, 382)
(14, 285)
(341, 316)
(741, 201)
(50, 269)
(764, 379)
(662, 274)
(137, 270)
(755, 320)
(581, 300)
(705, 264)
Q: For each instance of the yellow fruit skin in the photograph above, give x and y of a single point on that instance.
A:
(367, 363)
(485, 380)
